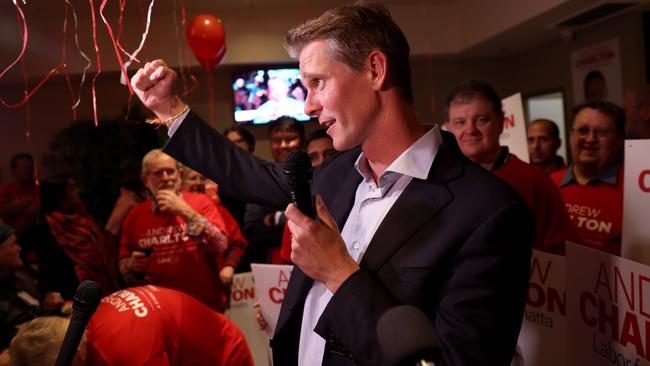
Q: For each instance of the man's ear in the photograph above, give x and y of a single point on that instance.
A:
(378, 68)
(501, 120)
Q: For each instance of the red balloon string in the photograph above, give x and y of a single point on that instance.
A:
(119, 32)
(120, 22)
(28, 110)
(21, 20)
(89, 63)
(117, 52)
(64, 55)
(28, 123)
(99, 63)
(186, 54)
(190, 88)
(178, 32)
(128, 107)
(143, 13)
(27, 94)
(210, 96)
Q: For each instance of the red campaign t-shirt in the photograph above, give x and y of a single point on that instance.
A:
(156, 326)
(237, 241)
(285, 249)
(178, 261)
(552, 225)
(596, 209)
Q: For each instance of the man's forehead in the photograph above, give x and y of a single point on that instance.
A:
(477, 102)
(162, 162)
(539, 128)
(317, 50)
(590, 116)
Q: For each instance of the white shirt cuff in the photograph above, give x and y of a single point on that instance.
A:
(177, 122)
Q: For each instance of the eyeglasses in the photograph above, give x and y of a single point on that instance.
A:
(159, 173)
(599, 133)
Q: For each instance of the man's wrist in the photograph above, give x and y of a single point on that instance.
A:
(338, 277)
(167, 110)
(188, 212)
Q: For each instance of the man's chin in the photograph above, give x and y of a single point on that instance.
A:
(162, 189)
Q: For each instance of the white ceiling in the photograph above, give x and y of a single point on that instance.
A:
(255, 29)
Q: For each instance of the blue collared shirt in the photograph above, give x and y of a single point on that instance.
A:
(610, 175)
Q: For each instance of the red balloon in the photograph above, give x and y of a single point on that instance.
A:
(207, 39)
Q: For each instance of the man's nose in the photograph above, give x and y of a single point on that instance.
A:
(470, 128)
(312, 106)
(591, 136)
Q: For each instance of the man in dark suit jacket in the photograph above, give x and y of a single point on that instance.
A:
(443, 234)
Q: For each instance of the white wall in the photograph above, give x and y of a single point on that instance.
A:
(550, 106)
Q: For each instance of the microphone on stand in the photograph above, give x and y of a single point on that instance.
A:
(297, 171)
(407, 337)
(86, 301)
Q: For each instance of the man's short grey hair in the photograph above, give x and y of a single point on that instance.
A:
(151, 155)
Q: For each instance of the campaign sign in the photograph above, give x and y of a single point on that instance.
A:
(271, 282)
(608, 308)
(544, 325)
(596, 72)
(514, 127)
(242, 313)
(636, 202)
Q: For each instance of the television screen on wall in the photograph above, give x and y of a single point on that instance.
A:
(263, 94)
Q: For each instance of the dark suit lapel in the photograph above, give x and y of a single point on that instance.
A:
(343, 202)
(297, 290)
(417, 205)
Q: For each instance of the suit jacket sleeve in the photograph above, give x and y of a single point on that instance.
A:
(238, 173)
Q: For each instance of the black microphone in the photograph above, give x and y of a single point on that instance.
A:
(407, 337)
(297, 171)
(86, 301)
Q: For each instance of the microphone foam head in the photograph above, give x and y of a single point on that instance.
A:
(405, 333)
(87, 298)
(297, 167)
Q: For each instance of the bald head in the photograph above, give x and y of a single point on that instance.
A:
(547, 125)
(543, 141)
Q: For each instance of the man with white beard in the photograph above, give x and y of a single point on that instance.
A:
(174, 239)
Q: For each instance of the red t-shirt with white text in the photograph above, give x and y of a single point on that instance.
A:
(178, 261)
(151, 325)
(596, 209)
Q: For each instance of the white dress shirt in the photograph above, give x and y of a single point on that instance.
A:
(371, 204)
